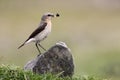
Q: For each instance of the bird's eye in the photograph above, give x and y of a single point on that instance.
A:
(48, 15)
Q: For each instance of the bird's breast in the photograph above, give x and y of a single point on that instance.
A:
(42, 35)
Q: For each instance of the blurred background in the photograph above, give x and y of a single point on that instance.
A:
(90, 28)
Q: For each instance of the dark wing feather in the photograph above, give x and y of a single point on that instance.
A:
(37, 31)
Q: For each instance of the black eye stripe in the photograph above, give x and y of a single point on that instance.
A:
(49, 15)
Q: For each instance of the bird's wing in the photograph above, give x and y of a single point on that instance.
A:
(37, 31)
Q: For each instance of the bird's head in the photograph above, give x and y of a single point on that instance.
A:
(49, 16)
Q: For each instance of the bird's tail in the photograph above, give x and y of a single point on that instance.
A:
(21, 45)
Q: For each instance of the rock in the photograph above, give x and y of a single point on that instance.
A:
(57, 60)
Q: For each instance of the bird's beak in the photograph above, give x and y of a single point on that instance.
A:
(57, 15)
(52, 16)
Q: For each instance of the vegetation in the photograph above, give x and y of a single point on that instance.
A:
(12, 72)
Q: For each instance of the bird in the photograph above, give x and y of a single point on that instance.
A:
(40, 33)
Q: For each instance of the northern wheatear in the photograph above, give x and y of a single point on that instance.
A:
(41, 32)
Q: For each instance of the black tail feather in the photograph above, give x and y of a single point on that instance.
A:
(21, 45)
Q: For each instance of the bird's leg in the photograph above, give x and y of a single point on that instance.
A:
(42, 47)
(38, 48)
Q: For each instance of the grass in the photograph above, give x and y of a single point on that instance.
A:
(12, 72)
